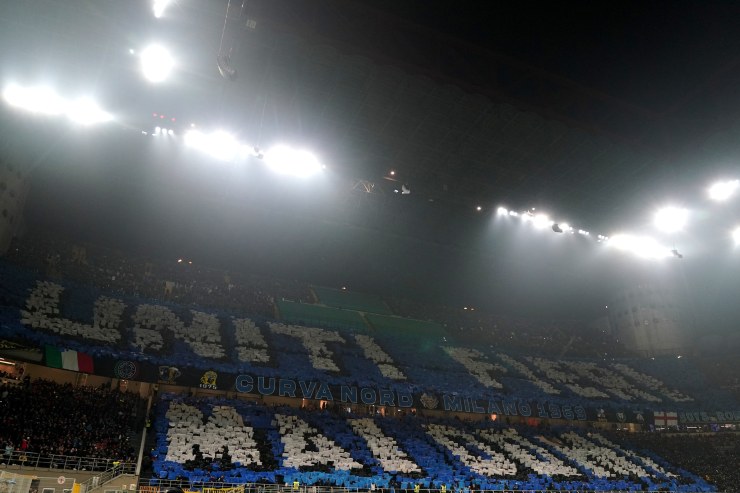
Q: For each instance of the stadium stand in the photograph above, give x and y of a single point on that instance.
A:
(104, 324)
(56, 258)
(712, 456)
(218, 440)
(348, 451)
(306, 314)
(47, 418)
(350, 300)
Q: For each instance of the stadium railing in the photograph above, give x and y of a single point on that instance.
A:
(64, 462)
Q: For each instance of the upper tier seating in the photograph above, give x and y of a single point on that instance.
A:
(401, 358)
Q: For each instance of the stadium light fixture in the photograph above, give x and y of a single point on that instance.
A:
(86, 112)
(45, 101)
(220, 145)
(502, 211)
(583, 232)
(541, 221)
(159, 6)
(642, 246)
(671, 219)
(286, 160)
(42, 100)
(723, 190)
(736, 235)
(514, 213)
(478, 208)
(156, 63)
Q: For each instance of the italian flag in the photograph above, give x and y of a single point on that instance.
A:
(69, 360)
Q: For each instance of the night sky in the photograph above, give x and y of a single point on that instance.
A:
(658, 78)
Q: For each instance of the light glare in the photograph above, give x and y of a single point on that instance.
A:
(541, 221)
(284, 159)
(42, 100)
(723, 190)
(86, 112)
(45, 101)
(219, 144)
(671, 219)
(156, 63)
(159, 6)
(736, 235)
(502, 211)
(641, 246)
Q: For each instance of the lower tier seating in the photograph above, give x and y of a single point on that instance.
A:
(202, 440)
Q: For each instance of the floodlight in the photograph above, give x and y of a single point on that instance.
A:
(736, 235)
(222, 145)
(284, 159)
(159, 6)
(583, 232)
(156, 63)
(219, 144)
(170, 132)
(641, 246)
(41, 100)
(513, 213)
(671, 219)
(723, 190)
(478, 208)
(541, 221)
(194, 139)
(157, 130)
(86, 112)
(14, 95)
(502, 211)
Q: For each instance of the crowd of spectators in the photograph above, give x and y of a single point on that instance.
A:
(181, 281)
(713, 456)
(48, 418)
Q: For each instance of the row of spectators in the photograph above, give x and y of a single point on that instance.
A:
(60, 419)
(181, 281)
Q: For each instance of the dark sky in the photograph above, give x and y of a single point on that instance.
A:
(671, 67)
(651, 54)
